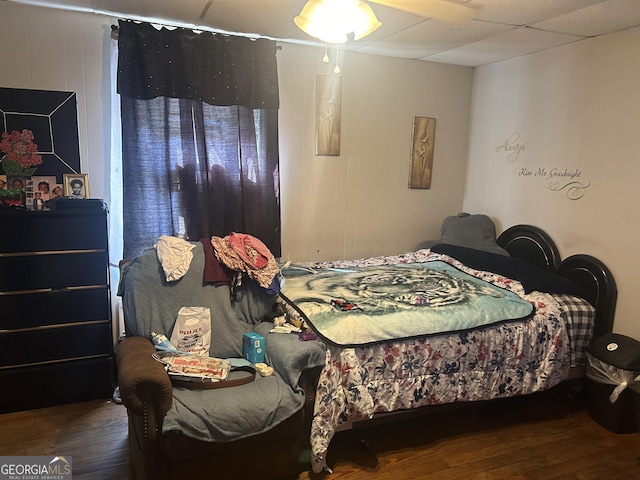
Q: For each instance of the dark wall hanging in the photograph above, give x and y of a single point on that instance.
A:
(52, 117)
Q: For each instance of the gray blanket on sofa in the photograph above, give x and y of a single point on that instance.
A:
(151, 304)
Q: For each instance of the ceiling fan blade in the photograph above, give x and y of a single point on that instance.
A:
(443, 10)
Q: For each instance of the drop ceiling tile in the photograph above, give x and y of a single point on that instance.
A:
(525, 12)
(393, 21)
(517, 42)
(430, 37)
(254, 16)
(82, 5)
(605, 17)
(173, 13)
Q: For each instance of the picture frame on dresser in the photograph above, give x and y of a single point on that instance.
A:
(76, 185)
(44, 184)
(14, 193)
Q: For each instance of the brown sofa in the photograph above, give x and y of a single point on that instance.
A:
(161, 450)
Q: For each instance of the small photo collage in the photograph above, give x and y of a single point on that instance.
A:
(36, 190)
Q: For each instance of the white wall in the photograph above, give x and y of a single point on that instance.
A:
(577, 108)
(358, 204)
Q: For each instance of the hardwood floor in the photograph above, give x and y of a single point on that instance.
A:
(93, 433)
(543, 436)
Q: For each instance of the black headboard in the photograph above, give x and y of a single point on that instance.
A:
(532, 244)
(536, 246)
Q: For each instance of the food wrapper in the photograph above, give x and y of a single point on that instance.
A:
(194, 368)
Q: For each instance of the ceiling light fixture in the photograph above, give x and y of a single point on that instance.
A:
(332, 20)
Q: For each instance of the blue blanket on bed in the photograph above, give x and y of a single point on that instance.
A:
(361, 306)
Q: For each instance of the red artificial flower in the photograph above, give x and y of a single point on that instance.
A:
(19, 148)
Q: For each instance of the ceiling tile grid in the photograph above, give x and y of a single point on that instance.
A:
(431, 37)
(500, 29)
(514, 43)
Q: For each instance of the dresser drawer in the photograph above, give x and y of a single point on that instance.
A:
(53, 307)
(44, 231)
(45, 344)
(55, 384)
(52, 270)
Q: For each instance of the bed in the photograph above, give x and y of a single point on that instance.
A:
(532, 345)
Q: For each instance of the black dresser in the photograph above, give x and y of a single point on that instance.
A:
(55, 317)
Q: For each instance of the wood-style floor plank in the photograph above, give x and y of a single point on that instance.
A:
(544, 436)
(93, 433)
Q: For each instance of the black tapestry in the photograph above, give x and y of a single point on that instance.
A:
(52, 116)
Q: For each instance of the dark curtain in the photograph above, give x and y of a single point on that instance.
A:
(199, 136)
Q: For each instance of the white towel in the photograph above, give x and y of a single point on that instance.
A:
(175, 255)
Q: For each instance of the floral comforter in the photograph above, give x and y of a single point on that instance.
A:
(509, 359)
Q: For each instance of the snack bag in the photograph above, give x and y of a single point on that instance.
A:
(192, 331)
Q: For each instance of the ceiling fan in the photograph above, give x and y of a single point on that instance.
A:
(444, 10)
(332, 20)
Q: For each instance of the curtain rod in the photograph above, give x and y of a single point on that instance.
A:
(115, 30)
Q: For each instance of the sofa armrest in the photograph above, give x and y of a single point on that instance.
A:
(289, 356)
(142, 380)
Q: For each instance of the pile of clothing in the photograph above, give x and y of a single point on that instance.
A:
(226, 260)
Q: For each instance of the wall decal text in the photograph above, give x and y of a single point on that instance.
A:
(560, 179)
(512, 147)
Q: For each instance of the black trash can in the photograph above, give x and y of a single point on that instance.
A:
(613, 393)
